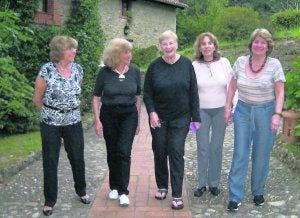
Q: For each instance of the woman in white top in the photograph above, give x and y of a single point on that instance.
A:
(259, 80)
(213, 74)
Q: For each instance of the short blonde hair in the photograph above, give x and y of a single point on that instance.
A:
(167, 35)
(198, 54)
(59, 44)
(111, 54)
(266, 35)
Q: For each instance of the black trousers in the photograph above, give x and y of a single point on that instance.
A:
(169, 141)
(119, 127)
(73, 141)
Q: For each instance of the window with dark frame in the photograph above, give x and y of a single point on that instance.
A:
(46, 13)
(45, 5)
(125, 7)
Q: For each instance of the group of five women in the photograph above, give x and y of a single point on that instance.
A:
(178, 93)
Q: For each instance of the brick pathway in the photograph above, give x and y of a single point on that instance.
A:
(142, 186)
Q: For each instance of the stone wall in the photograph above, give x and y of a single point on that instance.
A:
(149, 20)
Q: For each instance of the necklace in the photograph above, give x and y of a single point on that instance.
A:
(207, 64)
(259, 69)
(205, 61)
(121, 74)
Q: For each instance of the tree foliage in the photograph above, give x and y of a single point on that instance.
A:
(198, 18)
(17, 114)
(286, 19)
(235, 23)
(84, 25)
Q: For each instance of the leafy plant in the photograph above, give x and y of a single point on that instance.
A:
(286, 19)
(235, 23)
(84, 25)
(292, 90)
(17, 112)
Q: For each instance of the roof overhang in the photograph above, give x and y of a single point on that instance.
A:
(174, 3)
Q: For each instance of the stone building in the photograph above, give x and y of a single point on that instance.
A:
(139, 21)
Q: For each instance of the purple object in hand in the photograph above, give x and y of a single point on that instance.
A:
(193, 127)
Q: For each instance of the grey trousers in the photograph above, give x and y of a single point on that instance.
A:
(210, 138)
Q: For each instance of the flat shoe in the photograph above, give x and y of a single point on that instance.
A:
(200, 191)
(161, 194)
(214, 191)
(124, 200)
(48, 211)
(85, 199)
(177, 204)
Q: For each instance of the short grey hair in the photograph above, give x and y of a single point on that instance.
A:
(166, 35)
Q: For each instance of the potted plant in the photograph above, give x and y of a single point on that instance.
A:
(291, 114)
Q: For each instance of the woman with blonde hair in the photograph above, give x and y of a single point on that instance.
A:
(117, 105)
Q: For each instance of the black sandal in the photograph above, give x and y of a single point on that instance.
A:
(177, 204)
(48, 211)
(85, 199)
(161, 194)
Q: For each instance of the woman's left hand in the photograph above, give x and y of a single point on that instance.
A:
(275, 122)
(196, 125)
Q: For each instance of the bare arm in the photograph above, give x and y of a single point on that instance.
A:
(230, 94)
(39, 90)
(138, 106)
(279, 95)
(96, 110)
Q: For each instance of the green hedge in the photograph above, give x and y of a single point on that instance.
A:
(236, 23)
(286, 19)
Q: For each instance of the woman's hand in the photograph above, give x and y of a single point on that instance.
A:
(275, 122)
(99, 128)
(154, 120)
(227, 116)
(194, 126)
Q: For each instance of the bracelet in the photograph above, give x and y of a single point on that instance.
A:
(278, 113)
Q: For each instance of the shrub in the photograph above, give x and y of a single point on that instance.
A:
(235, 23)
(17, 112)
(292, 91)
(141, 57)
(286, 19)
(35, 52)
(84, 26)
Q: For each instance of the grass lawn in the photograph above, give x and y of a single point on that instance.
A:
(17, 147)
(294, 149)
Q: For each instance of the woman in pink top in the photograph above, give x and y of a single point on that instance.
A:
(213, 74)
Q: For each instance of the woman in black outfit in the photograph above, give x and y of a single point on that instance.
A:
(117, 99)
(171, 99)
